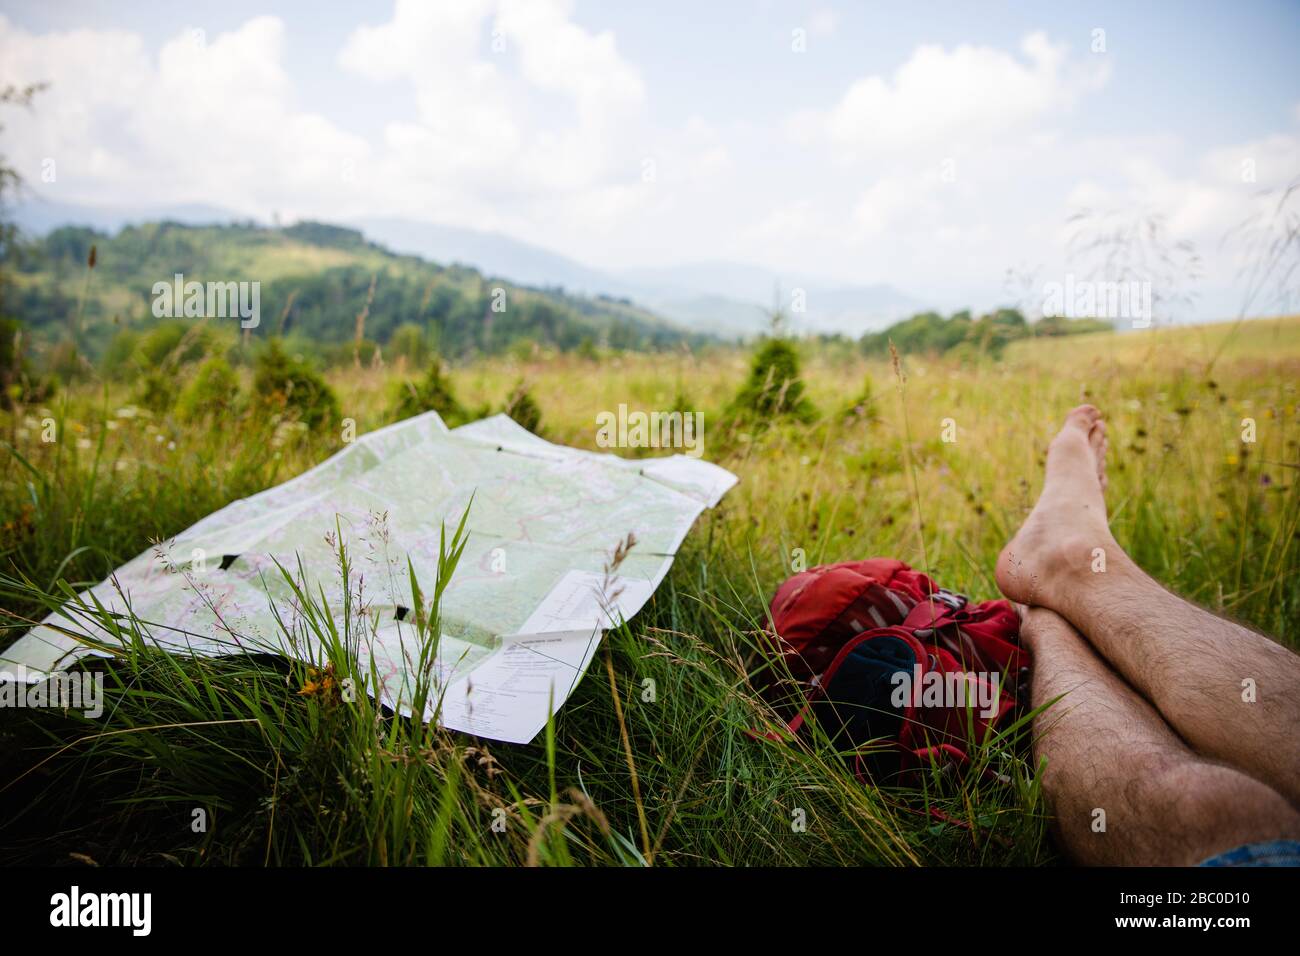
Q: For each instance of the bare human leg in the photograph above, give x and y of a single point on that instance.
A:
(1232, 694)
(1124, 789)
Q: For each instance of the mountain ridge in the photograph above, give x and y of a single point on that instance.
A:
(725, 298)
(327, 284)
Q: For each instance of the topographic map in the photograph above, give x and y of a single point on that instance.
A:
(520, 618)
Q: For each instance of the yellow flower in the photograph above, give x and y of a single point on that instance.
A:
(320, 683)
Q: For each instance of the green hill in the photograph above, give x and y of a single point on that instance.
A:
(315, 280)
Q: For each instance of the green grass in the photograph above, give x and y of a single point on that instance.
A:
(285, 777)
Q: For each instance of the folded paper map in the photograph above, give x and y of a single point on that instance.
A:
(521, 617)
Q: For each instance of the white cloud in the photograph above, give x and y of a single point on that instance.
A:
(1270, 162)
(823, 22)
(556, 54)
(523, 121)
(947, 100)
(792, 220)
(511, 115)
(1218, 191)
(883, 203)
(512, 97)
(122, 125)
(215, 118)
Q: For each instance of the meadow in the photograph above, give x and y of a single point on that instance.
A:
(292, 778)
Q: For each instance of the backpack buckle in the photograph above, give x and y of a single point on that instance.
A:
(951, 598)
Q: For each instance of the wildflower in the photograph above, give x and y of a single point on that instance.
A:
(320, 683)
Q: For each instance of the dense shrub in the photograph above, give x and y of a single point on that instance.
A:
(18, 383)
(121, 359)
(774, 388)
(431, 393)
(156, 390)
(213, 391)
(285, 384)
(409, 342)
(523, 408)
(175, 343)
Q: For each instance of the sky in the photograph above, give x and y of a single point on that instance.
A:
(931, 146)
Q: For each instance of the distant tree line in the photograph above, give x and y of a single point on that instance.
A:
(930, 332)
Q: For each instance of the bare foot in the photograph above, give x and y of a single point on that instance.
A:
(1060, 537)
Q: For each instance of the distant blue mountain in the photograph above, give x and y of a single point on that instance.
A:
(490, 252)
(727, 298)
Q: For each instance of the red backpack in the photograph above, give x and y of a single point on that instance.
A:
(880, 652)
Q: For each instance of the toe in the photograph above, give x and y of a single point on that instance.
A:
(1100, 446)
(1083, 417)
(1097, 435)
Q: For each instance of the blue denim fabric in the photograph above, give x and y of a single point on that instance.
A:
(1268, 853)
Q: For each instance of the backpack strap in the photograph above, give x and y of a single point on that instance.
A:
(941, 608)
